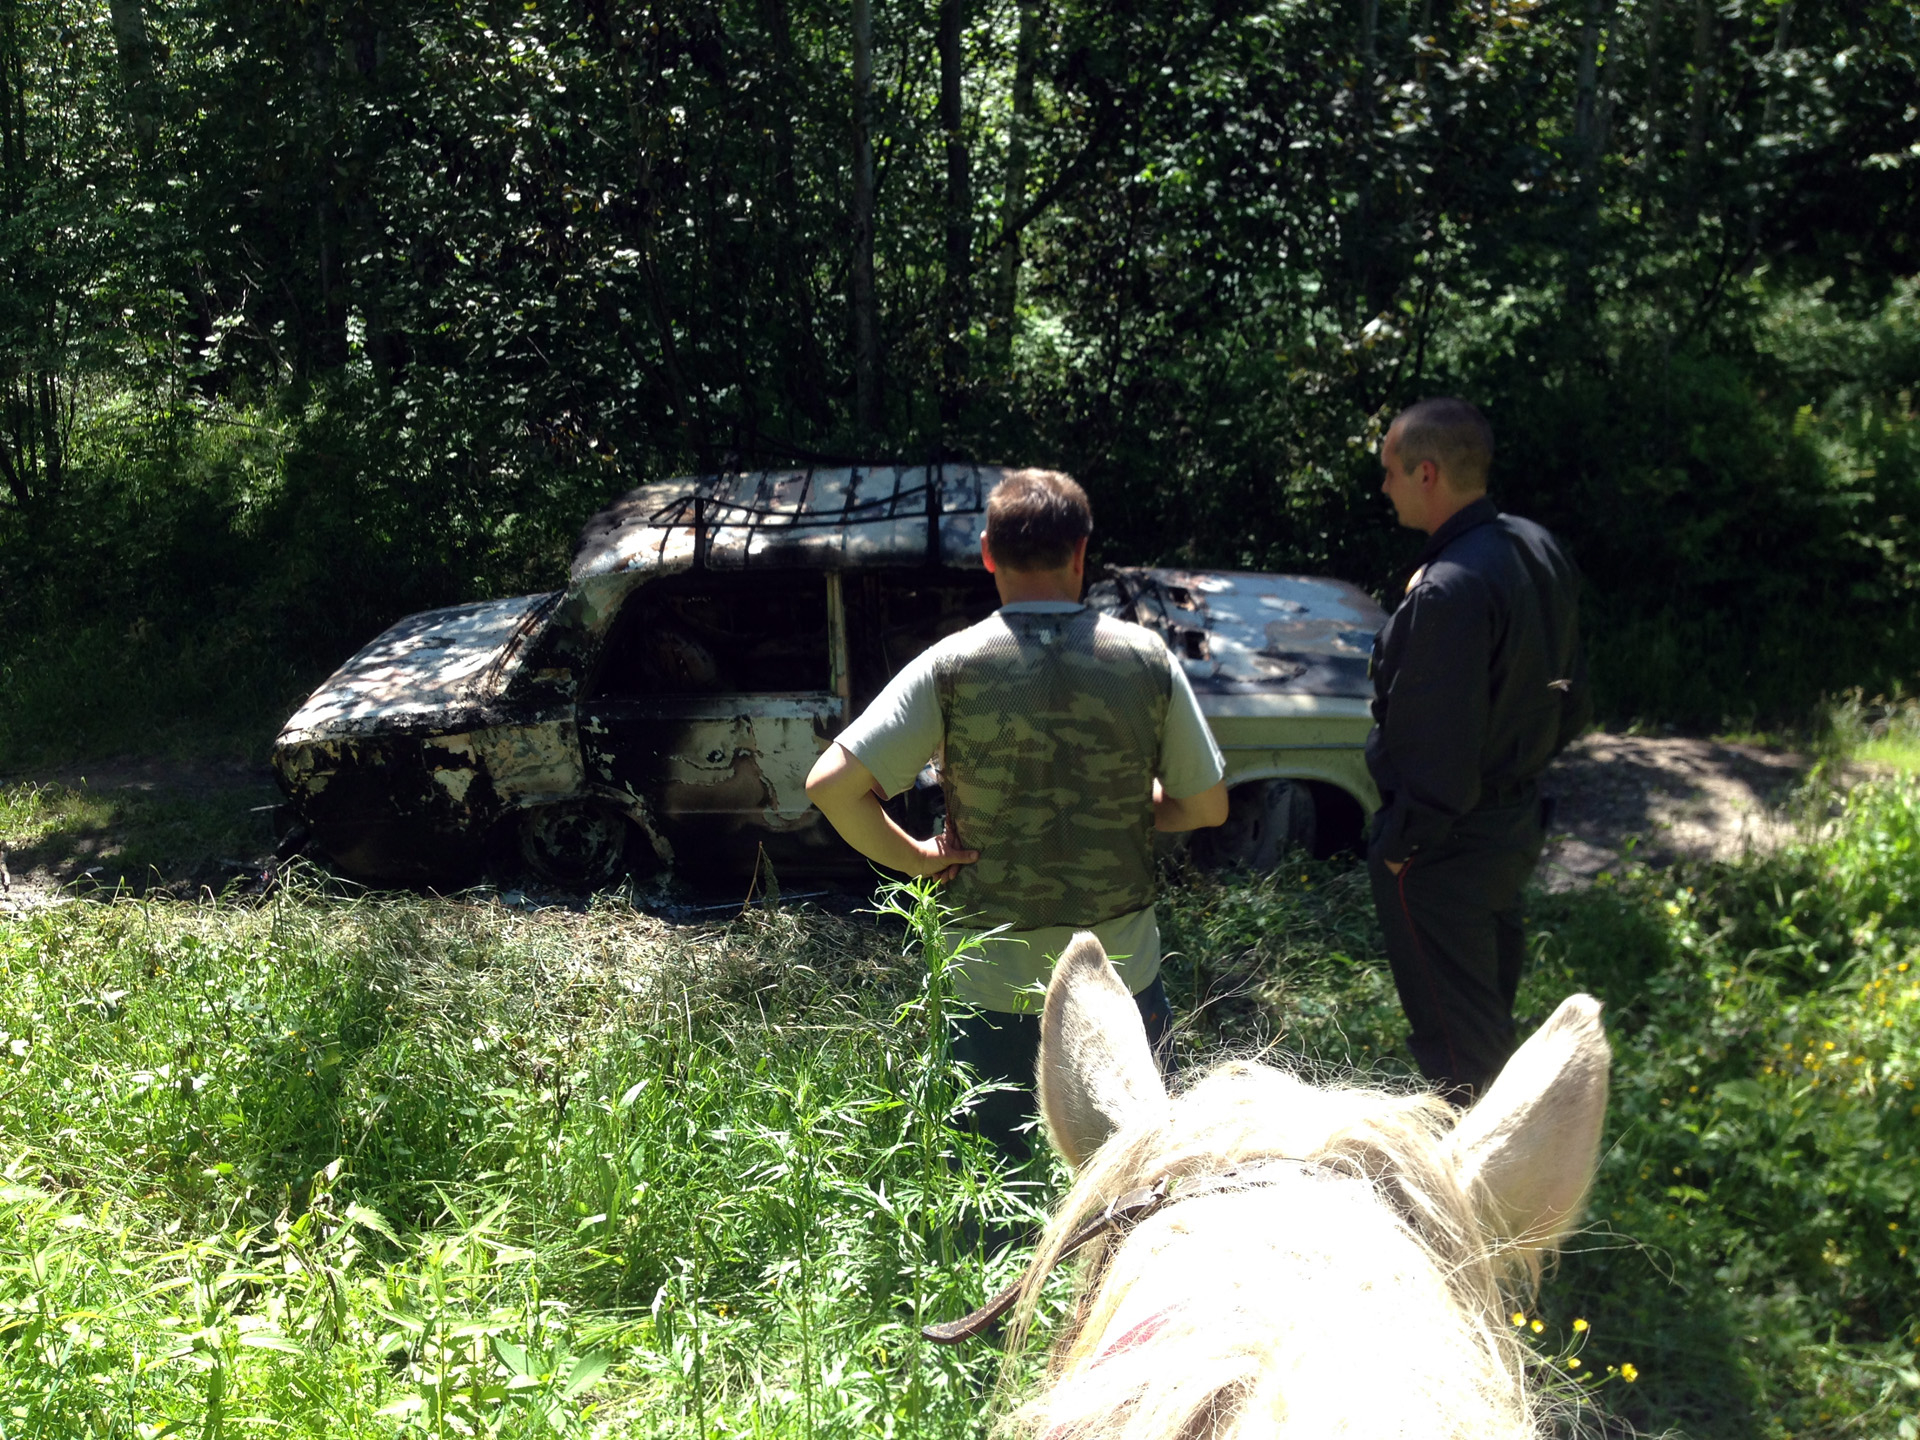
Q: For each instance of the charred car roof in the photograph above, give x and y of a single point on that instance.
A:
(1235, 633)
(838, 519)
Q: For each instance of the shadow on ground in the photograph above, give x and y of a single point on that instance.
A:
(1658, 799)
(134, 828)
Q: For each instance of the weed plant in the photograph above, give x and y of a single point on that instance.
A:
(410, 1166)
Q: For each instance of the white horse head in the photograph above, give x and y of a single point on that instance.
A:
(1349, 1276)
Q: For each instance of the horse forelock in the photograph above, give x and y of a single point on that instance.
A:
(1348, 1286)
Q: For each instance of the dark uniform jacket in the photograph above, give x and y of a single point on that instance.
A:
(1478, 678)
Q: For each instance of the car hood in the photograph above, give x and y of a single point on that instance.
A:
(423, 670)
(1245, 633)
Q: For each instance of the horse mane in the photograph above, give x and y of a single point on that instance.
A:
(1232, 1315)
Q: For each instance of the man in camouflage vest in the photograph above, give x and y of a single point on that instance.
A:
(1064, 739)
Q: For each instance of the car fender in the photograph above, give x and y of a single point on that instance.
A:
(1352, 780)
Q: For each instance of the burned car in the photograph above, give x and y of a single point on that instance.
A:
(715, 634)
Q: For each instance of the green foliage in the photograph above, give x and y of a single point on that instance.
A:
(1751, 1256)
(1757, 1200)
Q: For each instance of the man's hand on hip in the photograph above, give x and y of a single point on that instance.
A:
(943, 855)
(846, 793)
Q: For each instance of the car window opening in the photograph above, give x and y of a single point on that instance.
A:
(715, 634)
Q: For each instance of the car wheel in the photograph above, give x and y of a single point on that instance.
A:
(579, 844)
(1265, 820)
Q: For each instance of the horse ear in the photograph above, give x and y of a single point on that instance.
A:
(1527, 1151)
(1096, 1071)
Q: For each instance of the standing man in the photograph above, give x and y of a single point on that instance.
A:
(1478, 681)
(1064, 739)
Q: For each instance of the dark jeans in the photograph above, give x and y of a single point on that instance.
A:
(997, 1046)
(1452, 922)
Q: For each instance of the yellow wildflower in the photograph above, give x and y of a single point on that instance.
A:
(1629, 1374)
(1578, 1326)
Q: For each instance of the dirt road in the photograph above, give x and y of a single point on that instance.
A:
(1669, 797)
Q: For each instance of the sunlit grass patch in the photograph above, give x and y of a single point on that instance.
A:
(1882, 731)
(30, 813)
(1900, 753)
(136, 837)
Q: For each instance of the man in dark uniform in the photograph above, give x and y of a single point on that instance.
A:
(1478, 682)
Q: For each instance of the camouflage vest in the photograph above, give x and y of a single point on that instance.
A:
(1053, 726)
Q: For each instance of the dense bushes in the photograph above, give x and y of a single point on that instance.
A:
(317, 314)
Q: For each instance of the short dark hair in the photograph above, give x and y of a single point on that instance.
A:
(1035, 518)
(1453, 434)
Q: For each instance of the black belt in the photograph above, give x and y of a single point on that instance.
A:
(1495, 797)
(1506, 797)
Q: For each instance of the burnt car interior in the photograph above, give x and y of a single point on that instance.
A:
(716, 633)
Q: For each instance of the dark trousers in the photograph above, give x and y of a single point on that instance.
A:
(1454, 939)
(998, 1046)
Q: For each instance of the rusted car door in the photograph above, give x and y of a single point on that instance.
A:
(713, 697)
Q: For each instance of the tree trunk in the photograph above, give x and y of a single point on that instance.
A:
(958, 318)
(1773, 69)
(136, 69)
(866, 320)
(327, 335)
(1007, 299)
(1592, 118)
(808, 378)
(1699, 104)
(29, 454)
(1362, 248)
(1587, 117)
(1768, 114)
(1650, 145)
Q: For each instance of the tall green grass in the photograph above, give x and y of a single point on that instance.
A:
(407, 1166)
(399, 1165)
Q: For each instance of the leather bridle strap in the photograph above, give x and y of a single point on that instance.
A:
(1127, 1211)
(1130, 1209)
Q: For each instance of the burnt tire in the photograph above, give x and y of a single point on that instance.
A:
(575, 844)
(1265, 820)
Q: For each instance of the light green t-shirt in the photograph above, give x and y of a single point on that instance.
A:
(903, 729)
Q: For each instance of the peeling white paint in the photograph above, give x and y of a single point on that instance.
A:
(539, 758)
(455, 782)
